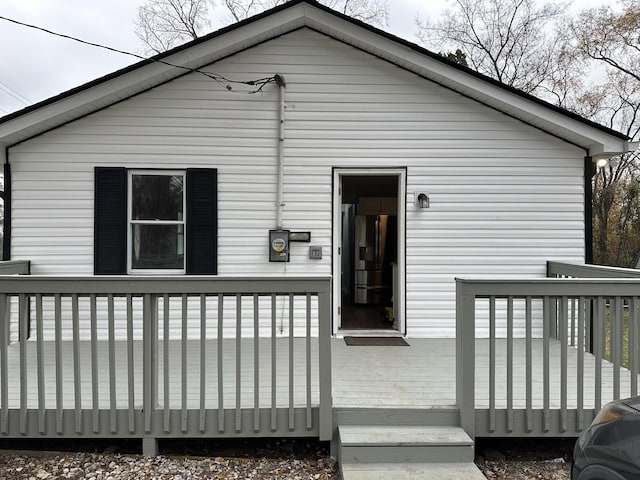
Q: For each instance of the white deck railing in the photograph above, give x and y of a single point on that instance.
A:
(561, 346)
(156, 379)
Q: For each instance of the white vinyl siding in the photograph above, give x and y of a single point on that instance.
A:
(505, 197)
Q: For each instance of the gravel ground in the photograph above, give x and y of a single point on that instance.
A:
(249, 459)
(523, 459)
(178, 460)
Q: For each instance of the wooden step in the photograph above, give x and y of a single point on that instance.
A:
(435, 416)
(366, 444)
(413, 471)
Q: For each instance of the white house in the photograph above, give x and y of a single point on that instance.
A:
(374, 161)
(203, 227)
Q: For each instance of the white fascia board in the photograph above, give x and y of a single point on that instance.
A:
(607, 151)
(148, 76)
(592, 139)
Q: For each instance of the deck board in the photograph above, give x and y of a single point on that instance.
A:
(424, 375)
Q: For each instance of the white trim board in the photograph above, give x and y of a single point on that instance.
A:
(400, 310)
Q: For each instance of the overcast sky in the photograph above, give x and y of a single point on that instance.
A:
(35, 65)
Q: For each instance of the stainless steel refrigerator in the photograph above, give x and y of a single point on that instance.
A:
(372, 265)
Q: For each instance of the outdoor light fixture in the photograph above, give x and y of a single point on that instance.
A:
(602, 162)
(421, 200)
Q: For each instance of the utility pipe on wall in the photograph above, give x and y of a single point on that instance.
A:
(279, 202)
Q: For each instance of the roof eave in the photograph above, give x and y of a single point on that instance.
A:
(595, 139)
(603, 151)
(145, 75)
(592, 137)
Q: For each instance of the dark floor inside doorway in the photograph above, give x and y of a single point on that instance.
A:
(364, 317)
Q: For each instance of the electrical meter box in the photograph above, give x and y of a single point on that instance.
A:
(278, 245)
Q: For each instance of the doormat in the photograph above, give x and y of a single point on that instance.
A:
(376, 341)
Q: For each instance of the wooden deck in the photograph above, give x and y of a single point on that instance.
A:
(107, 356)
(421, 376)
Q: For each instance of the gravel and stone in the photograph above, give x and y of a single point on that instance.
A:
(178, 460)
(300, 459)
(525, 459)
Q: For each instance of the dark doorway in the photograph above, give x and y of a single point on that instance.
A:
(369, 251)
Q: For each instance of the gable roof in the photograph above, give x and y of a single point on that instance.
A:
(597, 140)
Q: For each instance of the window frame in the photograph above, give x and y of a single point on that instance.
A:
(131, 222)
(110, 219)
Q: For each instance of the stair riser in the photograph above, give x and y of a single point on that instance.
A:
(434, 417)
(412, 471)
(406, 454)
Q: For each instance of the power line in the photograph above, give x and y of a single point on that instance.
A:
(17, 95)
(220, 79)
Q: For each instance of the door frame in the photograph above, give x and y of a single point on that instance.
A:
(400, 293)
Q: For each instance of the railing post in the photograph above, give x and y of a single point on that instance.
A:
(465, 357)
(149, 370)
(324, 363)
(4, 371)
(150, 363)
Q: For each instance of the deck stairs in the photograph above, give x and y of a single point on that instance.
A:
(403, 444)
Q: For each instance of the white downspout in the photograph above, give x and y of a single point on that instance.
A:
(280, 200)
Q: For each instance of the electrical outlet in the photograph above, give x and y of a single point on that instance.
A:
(315, 252)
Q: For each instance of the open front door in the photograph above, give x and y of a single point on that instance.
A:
(369, 259)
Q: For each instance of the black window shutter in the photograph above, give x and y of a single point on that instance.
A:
(110, 224)
(202, 221)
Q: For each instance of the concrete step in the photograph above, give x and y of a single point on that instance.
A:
(413, 471)
(403, 444)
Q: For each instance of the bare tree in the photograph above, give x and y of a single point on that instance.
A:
(375, 12)
(626, 219)
(163, 24)
(615, 203)
(566, 81)
(512, 41)
(238, 10)
(518, 43)
(608, 37)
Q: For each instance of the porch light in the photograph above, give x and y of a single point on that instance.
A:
(603, 162)
(421, 200)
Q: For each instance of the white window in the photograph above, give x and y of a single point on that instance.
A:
(156, 233)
